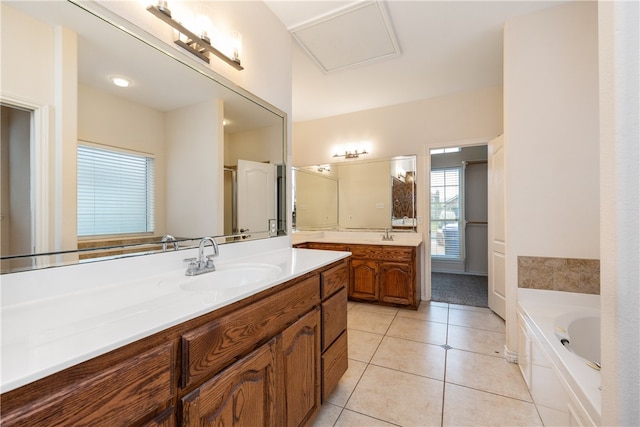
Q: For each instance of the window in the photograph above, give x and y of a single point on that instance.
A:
(115, 191)
(445, 212)
(445, 150)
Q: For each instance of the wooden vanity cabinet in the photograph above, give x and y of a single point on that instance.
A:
(334, 285)
(386, 274)
(122, 391)
(256, 362)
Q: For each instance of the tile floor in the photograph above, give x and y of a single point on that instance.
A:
(439, 366)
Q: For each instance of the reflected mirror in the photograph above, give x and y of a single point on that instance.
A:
(356, 195)
(176, 153)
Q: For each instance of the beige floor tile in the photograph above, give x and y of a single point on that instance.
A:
(368, 321)
(374, 308)
(398, 397)
(327, 416)
(353, 419)
(467, 407)
(476, 340)
(432, 313)
(418, 330)
(411, 357)
(362, 344)
(470, 307)
(347, 383)
(437, 303)
(351, 305)
(476, 319)
(486, 373)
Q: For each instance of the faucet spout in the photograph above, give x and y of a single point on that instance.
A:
(200, 265)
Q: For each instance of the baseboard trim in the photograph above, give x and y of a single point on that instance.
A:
(509, 355)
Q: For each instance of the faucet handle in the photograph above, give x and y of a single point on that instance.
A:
(210, 261)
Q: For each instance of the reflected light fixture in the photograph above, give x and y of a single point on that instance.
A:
(120, 81)
(199, 46)
(324, 168)
(351, 154)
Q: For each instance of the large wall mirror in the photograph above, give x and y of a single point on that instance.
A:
(356, 195)
(186, 153)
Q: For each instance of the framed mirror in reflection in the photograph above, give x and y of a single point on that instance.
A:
(91, 170)
(356, 195)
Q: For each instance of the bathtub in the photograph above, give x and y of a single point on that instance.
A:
(559, 354)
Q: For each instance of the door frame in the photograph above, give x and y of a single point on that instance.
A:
(426, 202)
(40, 137)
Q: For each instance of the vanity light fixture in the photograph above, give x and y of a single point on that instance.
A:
(324, 168)
(351, 154)
(199, 46)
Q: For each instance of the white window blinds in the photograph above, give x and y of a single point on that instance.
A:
(115, 192)
(445, 212)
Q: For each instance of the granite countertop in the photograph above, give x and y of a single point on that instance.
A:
(44, 335)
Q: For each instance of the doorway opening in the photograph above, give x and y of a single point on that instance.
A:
(458, 223)
(16, 218)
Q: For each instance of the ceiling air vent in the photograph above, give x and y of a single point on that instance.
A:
(355, 35)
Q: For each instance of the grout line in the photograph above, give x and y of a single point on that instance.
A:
(444, 377)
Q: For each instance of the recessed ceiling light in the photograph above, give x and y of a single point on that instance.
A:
(120, 81)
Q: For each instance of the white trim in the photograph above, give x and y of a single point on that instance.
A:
(426, 181)
(41, 115)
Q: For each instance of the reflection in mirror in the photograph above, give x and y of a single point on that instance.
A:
(361, 195)
(208, 158)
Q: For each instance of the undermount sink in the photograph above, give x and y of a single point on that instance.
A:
(226, 276)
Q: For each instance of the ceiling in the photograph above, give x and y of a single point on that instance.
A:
(443, 47)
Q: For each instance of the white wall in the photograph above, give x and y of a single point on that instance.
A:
(259, 145)
(402, 129)
(619, 210)
(551, 137)
(194, 201)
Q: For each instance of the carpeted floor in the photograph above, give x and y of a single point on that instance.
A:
(459, 289)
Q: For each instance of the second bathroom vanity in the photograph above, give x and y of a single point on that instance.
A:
(380, 271)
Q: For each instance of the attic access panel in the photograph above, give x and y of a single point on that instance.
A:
(352, 36)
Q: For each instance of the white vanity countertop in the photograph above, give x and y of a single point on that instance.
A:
(44, 335)
(357, 237)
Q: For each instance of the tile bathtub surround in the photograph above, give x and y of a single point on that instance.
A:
(559, 274)
(439, 366)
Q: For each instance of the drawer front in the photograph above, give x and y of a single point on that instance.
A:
(383, 253)
(334, 317)
(120, 395)
(334, 364)
(213, 346)
(328, 246)
(334, 279)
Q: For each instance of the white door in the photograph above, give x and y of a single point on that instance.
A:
(496, 227)
(256, 196)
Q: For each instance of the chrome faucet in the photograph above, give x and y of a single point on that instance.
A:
(169, 238)
(200, 265)
(386, 236)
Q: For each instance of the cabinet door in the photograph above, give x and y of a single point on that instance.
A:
(396, 283)
(363, 284)
(244, 394)
(299, 371)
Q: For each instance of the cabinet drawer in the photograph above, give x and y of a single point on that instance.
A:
(334, 364)
(334, 317)
(383, 253)
(328, 246)
(121, 394)
(211, 347)
(334, 279)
